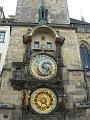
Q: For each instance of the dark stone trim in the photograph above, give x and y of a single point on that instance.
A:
(43, 117)
(75, 21)
(79, 69)
(27, 39)
(43, 50)
(83, 105)
(6, 106)
(68, 26)
(17, 64)
(59, 40)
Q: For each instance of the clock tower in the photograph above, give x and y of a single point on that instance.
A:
(57, 11)
(45, 74)
(43, 90)
(42, 85)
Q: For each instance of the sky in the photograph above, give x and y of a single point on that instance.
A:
(77, 8)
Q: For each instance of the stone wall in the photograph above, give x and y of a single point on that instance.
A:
(4, 45)
(28, 10)
(70, 54)
(72, 76)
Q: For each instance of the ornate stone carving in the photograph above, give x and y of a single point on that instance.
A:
(44, 101)
(26, 58)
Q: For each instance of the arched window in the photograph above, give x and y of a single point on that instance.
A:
(85, 58)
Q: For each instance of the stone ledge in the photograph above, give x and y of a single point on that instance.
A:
(82, 105)
(6, 106)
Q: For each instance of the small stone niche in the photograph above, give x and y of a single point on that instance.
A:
(5, 116)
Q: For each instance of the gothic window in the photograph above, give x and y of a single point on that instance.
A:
(85, 58)
(43, 12)
(36, 45)
(2, 36)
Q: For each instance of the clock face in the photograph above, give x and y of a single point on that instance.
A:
(43, 67)
(43, 100)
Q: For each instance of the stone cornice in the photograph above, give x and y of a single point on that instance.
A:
(36, 24)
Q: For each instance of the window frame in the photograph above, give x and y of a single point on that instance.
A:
(85, 56)
(49, 43)
(2, 37)
(36, 43)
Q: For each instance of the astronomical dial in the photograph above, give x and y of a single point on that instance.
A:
(43, 100)
(43, 67)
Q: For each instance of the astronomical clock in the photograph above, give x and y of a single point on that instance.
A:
(41, 81)
(43, 67)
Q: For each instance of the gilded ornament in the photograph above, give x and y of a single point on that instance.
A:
(43, 67)
(43, 100)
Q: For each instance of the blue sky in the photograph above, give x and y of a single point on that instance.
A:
(77, 8)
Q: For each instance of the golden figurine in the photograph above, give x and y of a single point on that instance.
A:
(26, 100)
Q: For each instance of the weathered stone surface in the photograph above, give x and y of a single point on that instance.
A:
(73, 76)
(57, 11)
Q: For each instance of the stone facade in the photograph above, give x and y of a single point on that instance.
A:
(4, 45)
(73, 79)
(57, 11)
(71, 82)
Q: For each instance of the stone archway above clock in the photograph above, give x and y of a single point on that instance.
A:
(45, 38)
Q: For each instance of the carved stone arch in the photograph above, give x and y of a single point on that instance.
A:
(85, 43)
(58, 39)
(45, 36)
(46, 28)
